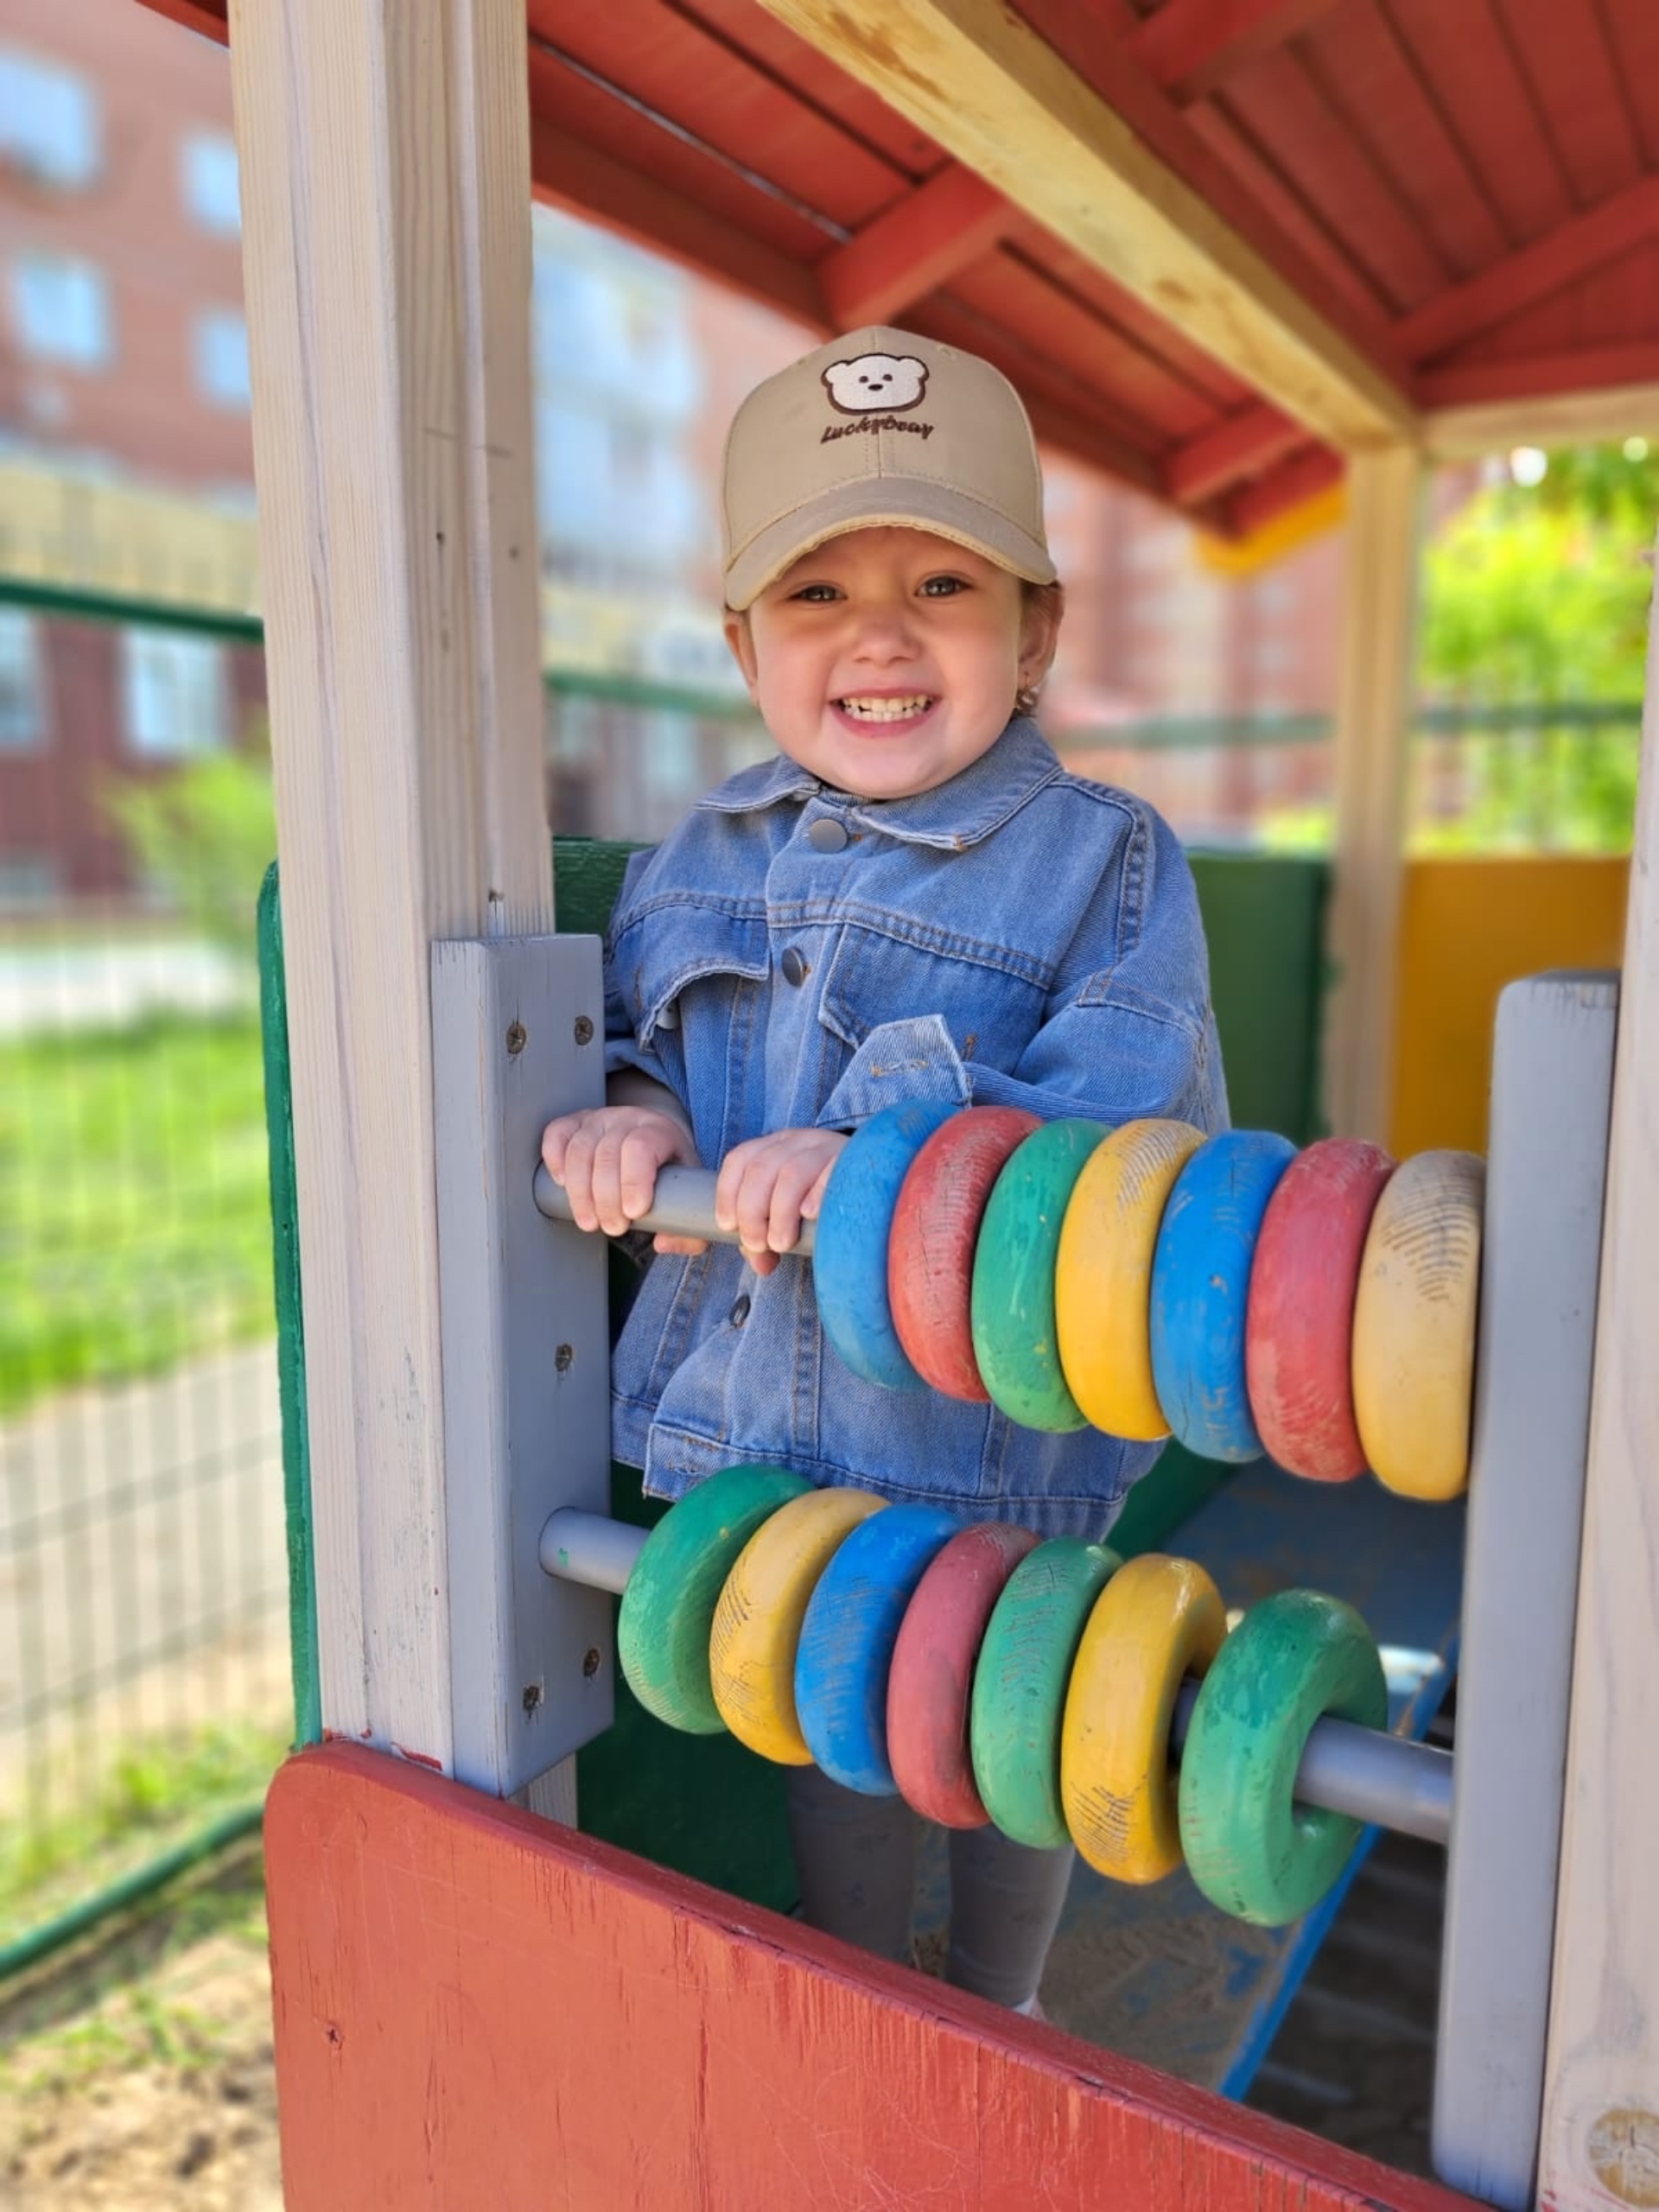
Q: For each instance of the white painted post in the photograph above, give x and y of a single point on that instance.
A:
(1374, 707)
(1600, 2144)
(385, 189)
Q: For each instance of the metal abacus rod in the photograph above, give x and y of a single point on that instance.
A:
(1380, 1779)
(684, 1207)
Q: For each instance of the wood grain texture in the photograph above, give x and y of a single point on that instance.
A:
(473, 2009)
(974, 76)
(1373, 708)
(1600, 2139)
(385, 185)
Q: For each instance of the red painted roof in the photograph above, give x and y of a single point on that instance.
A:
(1469, 193)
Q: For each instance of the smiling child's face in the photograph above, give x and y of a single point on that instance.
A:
(885, 661)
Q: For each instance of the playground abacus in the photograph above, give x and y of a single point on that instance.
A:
(1149, 1280)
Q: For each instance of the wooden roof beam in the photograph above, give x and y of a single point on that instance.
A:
(1255, 436)
(981, 83)
(1191, 47)
(1573, 249)
(912, 247)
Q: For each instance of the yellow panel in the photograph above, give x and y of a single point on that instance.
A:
(1276, 540)
(1467, 928)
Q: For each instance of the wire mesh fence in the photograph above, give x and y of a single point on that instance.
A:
(144, 1677)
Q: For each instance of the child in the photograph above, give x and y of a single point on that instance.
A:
(912, 901)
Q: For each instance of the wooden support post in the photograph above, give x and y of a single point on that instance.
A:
(385, 187)
(1600, 2144)
(1373, 724)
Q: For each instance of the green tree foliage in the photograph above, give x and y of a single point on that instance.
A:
(1536, 597)
(205, 835)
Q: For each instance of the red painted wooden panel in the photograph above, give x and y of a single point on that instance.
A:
(1367, 73)
(1488, 108)
(1101, 357)
(1284, 108)
(1560, 48)
(475, 2009)
(562, 99)
(1202, 371)
(1256, 167)
(708, 86)
(1633, 35)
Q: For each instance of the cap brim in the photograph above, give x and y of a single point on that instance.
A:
(902, 502)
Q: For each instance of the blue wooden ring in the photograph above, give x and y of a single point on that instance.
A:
(849, 1253)
(1200, 1290)
(851, 1625)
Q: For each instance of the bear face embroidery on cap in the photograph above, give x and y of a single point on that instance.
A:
(876, 380)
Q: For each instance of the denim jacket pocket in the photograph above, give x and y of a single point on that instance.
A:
(897, 1061)
(658, 960)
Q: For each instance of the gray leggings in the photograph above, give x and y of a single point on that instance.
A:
(855, 1860)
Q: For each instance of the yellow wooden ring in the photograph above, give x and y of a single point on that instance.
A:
(1103, 1276)
(1157, 1621)
(1414, 1311)
(757, 1626)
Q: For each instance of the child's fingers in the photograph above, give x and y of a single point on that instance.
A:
(690, 1246)
(575, 1169)
(751, 1204)
(796, 1175)
(813, 1200)
(556, 1139)
(730, 1182)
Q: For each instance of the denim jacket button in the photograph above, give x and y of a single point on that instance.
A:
(793, 966)
(739, 1313)
(827, 836)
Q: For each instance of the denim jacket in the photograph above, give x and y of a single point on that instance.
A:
(793, 957)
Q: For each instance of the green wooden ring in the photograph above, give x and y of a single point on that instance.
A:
(1016, 1343)
(668, 1608)
(1250, 1846)
(1020, 1686)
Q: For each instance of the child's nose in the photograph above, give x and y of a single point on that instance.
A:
(887, 635)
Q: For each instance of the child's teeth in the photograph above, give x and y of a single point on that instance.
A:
(886, 710)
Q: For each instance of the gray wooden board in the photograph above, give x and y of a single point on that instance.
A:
(526, 1424)
(1159, 1973)
(1552, 1093)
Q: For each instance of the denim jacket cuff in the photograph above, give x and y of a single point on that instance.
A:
(898, 1061)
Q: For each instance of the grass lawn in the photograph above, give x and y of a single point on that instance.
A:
(134, 1220)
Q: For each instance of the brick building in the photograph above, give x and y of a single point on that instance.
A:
(123, 357)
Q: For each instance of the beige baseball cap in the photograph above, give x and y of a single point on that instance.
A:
(879, 426)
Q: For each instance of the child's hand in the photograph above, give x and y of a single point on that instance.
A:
(607, 1158)
(770, 1185)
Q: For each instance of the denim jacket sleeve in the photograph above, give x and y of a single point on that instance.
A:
(622, 1046)
(1128, 1030)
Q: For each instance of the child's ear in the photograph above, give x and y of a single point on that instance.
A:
(1040, 632)
(740, 637)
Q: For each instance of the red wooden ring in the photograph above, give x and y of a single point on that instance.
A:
(1299, 1327)
(931, 1684)
(930, 1245)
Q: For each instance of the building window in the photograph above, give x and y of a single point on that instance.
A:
(221, 350)
(212, 182)
(173, 686)
(60, 310)
(27, 881)
(48, 122)
(23, 714)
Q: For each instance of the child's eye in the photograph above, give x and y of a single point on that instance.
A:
(942, 587)
(817, 594)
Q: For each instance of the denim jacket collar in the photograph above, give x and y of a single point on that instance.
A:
(952, 816)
